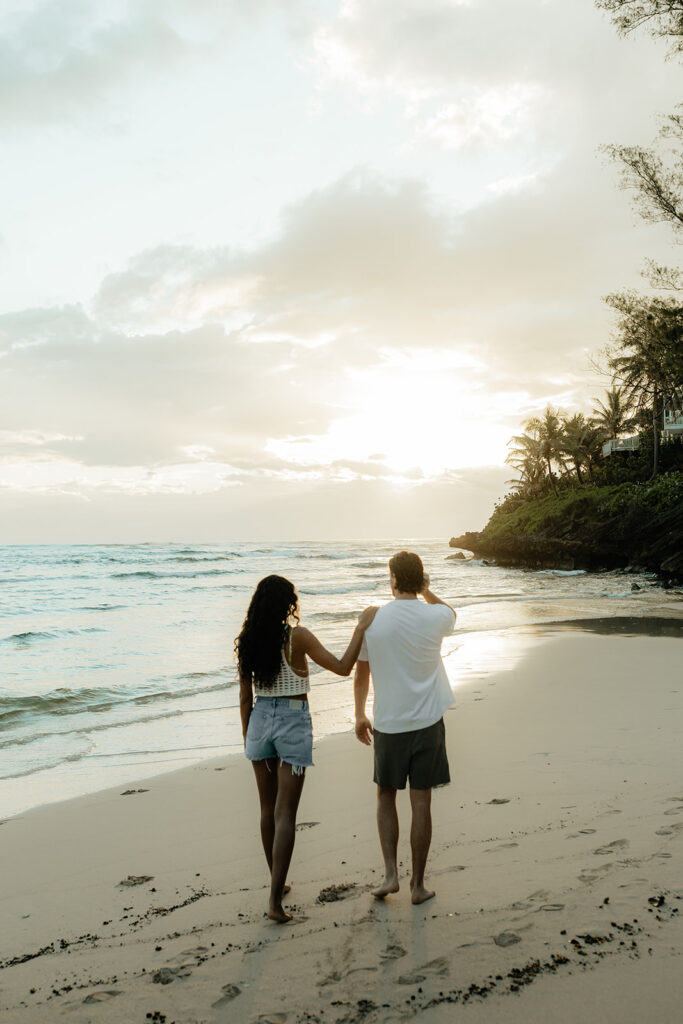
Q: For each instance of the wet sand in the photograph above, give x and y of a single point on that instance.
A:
(556, 863)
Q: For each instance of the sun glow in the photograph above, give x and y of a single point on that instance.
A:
(419, 414)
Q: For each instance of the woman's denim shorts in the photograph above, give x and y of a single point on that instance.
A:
(280, 727)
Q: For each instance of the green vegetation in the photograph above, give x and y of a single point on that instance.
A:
(579, 509)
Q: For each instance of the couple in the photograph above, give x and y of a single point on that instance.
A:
(399, 646)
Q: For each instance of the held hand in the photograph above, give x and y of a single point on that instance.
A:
(364, 730)
(425, 585)
(366, 616)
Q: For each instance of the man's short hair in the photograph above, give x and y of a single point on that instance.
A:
(407, 567)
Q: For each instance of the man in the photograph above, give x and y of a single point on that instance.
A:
(402, 651)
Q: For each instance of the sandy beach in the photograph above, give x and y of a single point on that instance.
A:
(556, 860)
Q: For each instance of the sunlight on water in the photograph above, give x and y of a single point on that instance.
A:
(117, 660)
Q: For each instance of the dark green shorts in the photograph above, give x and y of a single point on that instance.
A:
(418, 756)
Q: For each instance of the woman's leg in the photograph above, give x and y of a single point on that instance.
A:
(266, 780)
(289, 787)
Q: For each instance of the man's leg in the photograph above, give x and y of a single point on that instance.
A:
(420, 839)
(289, 786)
(387, 826)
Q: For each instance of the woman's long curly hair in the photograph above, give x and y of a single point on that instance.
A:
(265, 630)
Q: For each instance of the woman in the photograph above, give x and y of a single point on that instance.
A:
(278, 738)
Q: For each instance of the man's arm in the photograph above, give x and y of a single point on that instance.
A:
(361, 686)
(431, 598)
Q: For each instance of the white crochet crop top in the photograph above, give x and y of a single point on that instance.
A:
(287, 682)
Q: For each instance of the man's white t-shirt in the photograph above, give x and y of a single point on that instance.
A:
(403, 647)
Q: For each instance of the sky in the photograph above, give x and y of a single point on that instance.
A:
(299, 269)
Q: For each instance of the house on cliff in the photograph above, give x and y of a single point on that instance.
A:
(672, 426)
(673, 415)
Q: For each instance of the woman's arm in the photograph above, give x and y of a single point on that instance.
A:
(246, 704)
(311, 646)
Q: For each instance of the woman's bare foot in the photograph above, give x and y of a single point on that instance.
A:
(389, 885)
(279, 915)
(286, 888)
(420, 895)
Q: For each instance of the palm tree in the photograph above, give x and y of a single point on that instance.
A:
(575, 432)
(548, 430)
(593, 441)
(615, 415)
(525, 456)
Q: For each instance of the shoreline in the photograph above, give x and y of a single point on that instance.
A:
(490, 634)
(562, 824)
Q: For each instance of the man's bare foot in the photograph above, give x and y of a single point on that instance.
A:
(279, 915)
(420, 895)
(286, 888)
(388, 885)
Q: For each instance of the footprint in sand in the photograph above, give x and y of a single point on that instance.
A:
(102, 996)
(670, 830)
(165, 975)
(393, 953)
(230, 992)
(609, 848)
(136, 880)
(593, 874)
(501, 846)
(272, 1018)
(448, 871)
(130, 792)
(435, 968)
(335, 892)
(189, 957)
(674, 810)
(528, 902)
(507, 939)
(306, 824)
(499, 800)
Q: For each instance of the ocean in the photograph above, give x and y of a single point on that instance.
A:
(117, 660)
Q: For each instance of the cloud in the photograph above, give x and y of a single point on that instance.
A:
(60, 61)
(294, 358)
(394, 320)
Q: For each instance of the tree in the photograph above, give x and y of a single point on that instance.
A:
(614, 416)
(547, 430)
(581, 442)
(657, 181)
(664, 18)
(648, 358)
(654, 175)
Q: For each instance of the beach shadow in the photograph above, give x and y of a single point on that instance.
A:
(618, 625)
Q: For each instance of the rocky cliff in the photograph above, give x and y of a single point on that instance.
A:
(593, 529)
